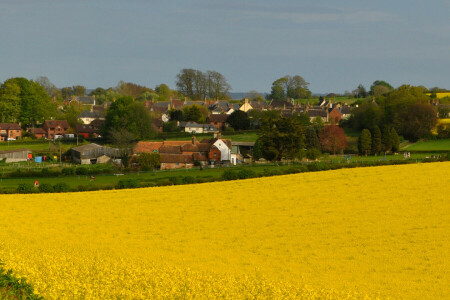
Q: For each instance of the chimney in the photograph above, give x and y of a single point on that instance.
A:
(246, 100)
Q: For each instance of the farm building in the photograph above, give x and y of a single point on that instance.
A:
(93, 154)
(15, 155)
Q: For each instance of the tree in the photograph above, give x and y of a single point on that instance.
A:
(386, 139)
(197, 85)
(218, 86)
(163, 91)
(71, 112)
(395, 140)
(125, 141)
(332, 139)
(239, 120)
(365, 142)
(360, 92)
(48, 86)
(380, 87)
(9, 102)
(175, 115)
(149, 161)
(131, 89)
(195, 113)
(131, 116)
(78, 90)
(367, 115)
(289, 87)
(376, 140)
(254, 95)
(312, 139)
(418, 120)
(281, 138)
(35, 104)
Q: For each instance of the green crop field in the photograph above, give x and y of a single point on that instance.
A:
(436, 145)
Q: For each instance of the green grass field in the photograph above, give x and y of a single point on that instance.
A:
(36, 146)
(436, 145)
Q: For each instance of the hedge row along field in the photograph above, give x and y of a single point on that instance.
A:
(350, 233)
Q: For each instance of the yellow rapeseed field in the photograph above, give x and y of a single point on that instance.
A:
(352, 233)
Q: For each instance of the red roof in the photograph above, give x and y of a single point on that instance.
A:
(49, 124)
(10, 126)
(176, 158)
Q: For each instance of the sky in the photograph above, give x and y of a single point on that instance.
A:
(333, 45)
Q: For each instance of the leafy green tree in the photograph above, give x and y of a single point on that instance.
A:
(386, 139)
(257, 151)
(360, 92)
(49, 87)
(418, 121)
(365, 142)
(289, 87)
(131, 89)
(9, 102)
(78, 90)
(35, 104)
(239, 120)
(395, 140)
(131, 116)
(163, 91)
(281, 138)
(380, 87)
(318, 125)
(376, 140)
(71, 112)
(367, 115)
(218, 87)
(149, 161)
(312, 139)
(194, 113)
(175, 115)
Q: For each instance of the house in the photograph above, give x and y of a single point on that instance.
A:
(16, 155)
(85, 100)
(38, 133)
(88, 116)
(246, 106)
(241, 152)
(90, 130)
(346, 112)
(259, 105)
(334, 115)
(321, 113)
(193, 127)
(93, 154)
(218, 120)
(10, 131)
(279, 105)
(185, 154)
(55, 128)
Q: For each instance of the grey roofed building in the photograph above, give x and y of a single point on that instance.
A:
(91, 114)
(87, 100)
(88, 154)
(15, 155)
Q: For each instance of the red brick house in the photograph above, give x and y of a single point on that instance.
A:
(218, 120)
(91, 130)
(10, 131)
(53, 128)
(334, 115)
(185, 154)
(39, 133)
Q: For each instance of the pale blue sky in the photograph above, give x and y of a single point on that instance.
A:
(334, 45)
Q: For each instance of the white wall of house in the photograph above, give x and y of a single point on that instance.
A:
(225, 152)
(193, 129)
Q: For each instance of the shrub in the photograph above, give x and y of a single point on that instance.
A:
(68, 171)
(313, 153)
(25, 188)
(45, 188)
(188, 180)
(61, 187)
(127, 184)
(230, 175)
(82, 171)
(164, 182)
(246, 173)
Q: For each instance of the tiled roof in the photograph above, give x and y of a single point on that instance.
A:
(36, 131)
(55, 123)
(170, 149)
(10, 126)
(91, 114)
(317, 113)
(176, 158)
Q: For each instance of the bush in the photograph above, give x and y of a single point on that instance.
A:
(61, 187)
(313, 153)
(46, 188)
(188, 180)
(25, 188)
(246, 173)
(127, 184)
(82, 171)
(164, 182)
(68, 171)
(230, 175)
